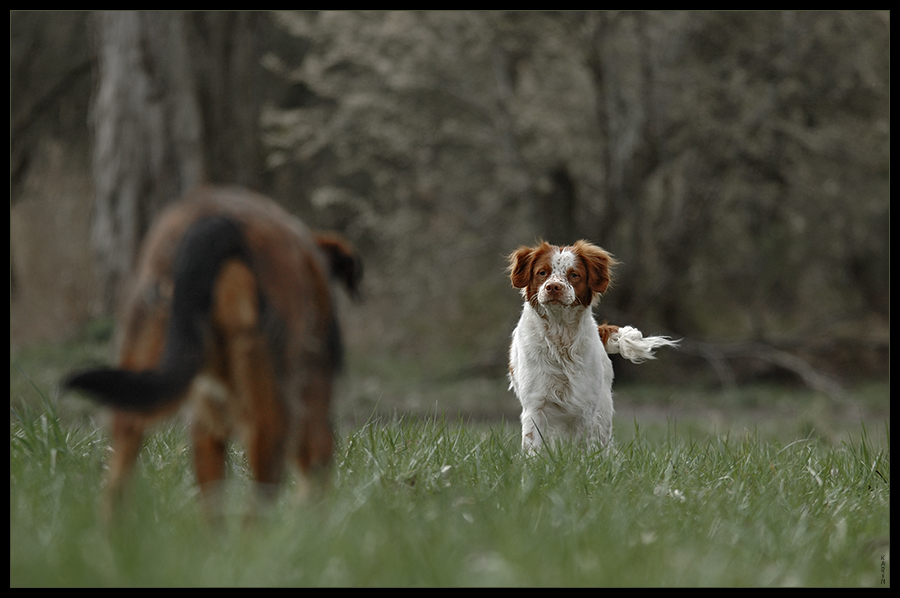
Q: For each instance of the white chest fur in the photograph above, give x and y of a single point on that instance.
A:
(561, 375)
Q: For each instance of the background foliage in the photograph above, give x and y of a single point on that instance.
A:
(738, 164)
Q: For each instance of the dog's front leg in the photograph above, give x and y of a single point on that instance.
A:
(209, 465)
(315, 446)
(533, 426)
(127, 438)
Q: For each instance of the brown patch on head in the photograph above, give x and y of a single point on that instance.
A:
(525, 264)
(599, 264)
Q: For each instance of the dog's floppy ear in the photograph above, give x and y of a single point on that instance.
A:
(521, 263)
(343, 261)
(599, 264)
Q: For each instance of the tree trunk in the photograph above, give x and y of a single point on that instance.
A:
(147, 134)
(224, 49)
(177, 104)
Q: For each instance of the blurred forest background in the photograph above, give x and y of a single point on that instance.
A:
(736, 163)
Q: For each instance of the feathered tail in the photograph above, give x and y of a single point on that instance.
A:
(631, 344)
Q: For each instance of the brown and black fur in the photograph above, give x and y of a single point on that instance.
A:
(230, 316)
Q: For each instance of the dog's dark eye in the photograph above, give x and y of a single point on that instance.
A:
(542, 273)
(574, 275)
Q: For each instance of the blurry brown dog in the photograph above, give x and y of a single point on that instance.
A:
(230, 313)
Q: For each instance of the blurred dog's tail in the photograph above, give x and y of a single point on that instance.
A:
(631, 344)
(204, 248)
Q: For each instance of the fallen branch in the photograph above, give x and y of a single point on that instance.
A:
(719, 354)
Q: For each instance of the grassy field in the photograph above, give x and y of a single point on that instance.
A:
(693, 499)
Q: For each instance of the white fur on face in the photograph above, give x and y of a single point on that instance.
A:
(557, 288)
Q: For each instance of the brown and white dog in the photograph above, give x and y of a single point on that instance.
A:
(229, 314)
(559, 365)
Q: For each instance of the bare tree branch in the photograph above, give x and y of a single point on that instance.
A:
(720, 354)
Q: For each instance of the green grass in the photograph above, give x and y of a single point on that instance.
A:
(689, 497)
(427, 502)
